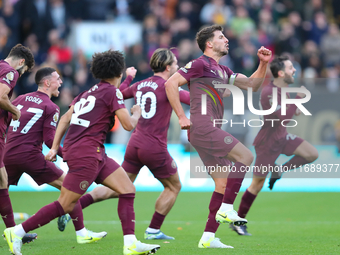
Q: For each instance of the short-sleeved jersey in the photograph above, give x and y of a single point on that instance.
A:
(202, 75)
(8, 76)
(93, 116)
(38, 120)
(272, 133)
(152, 128)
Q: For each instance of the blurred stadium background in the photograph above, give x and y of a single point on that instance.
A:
(64, 35)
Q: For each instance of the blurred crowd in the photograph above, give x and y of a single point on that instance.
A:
(306, 29)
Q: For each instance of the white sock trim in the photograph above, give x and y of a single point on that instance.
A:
(152, 230)
(129, 240)
(226, 207)
(207, 235)
(19, 231)
(82, 232)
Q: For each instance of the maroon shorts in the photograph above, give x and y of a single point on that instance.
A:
(217, 143)
(211, 162)
(266, 156)
(160, 163)
(84, 171)
(213, 147)
(41, 170)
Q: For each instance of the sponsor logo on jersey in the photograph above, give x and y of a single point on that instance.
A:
(9, 77)
(214, 72)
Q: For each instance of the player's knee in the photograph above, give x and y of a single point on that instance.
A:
(247, 158)
(68, 208)
(130, 189)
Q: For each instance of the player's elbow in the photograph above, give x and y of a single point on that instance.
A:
(252, 84)
(128, 125)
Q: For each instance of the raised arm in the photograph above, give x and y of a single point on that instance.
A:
(130, 75)
(63, 125)
(256, 79)
(129, 122)
(171, 88)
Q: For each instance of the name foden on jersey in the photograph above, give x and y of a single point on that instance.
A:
(36, 100)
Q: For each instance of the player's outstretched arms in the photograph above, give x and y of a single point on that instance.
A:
(5, 104)
(64, 123)
(256, 79)
(171, 88)
(129, 122)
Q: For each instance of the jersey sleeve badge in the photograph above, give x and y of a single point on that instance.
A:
(188, 66)
(9, 77)
(119, 94)
(56, 117)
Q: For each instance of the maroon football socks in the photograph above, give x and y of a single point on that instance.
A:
(215, 203)
(126, 213)
(6, 210)
(234, 182)
(157, 221)
(246, 202)
(86, 200)
(43, 216)
(77, 217)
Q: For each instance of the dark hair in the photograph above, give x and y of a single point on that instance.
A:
(21, 52)
(43, 73)
(206, 34)
(107, 65)
(278, 65)
(160, 59)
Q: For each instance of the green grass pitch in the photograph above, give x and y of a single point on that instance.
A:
(281, 223)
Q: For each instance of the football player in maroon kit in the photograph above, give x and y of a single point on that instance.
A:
(19, 60)
(23, 149)
(215, 146)
(273, 139)
(88, 120)
(148, 143)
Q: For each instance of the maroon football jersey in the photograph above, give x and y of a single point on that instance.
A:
(8, 76)
(152, 128)
(37, 124)
(202, 75)
(93, 116)
(272, 133)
